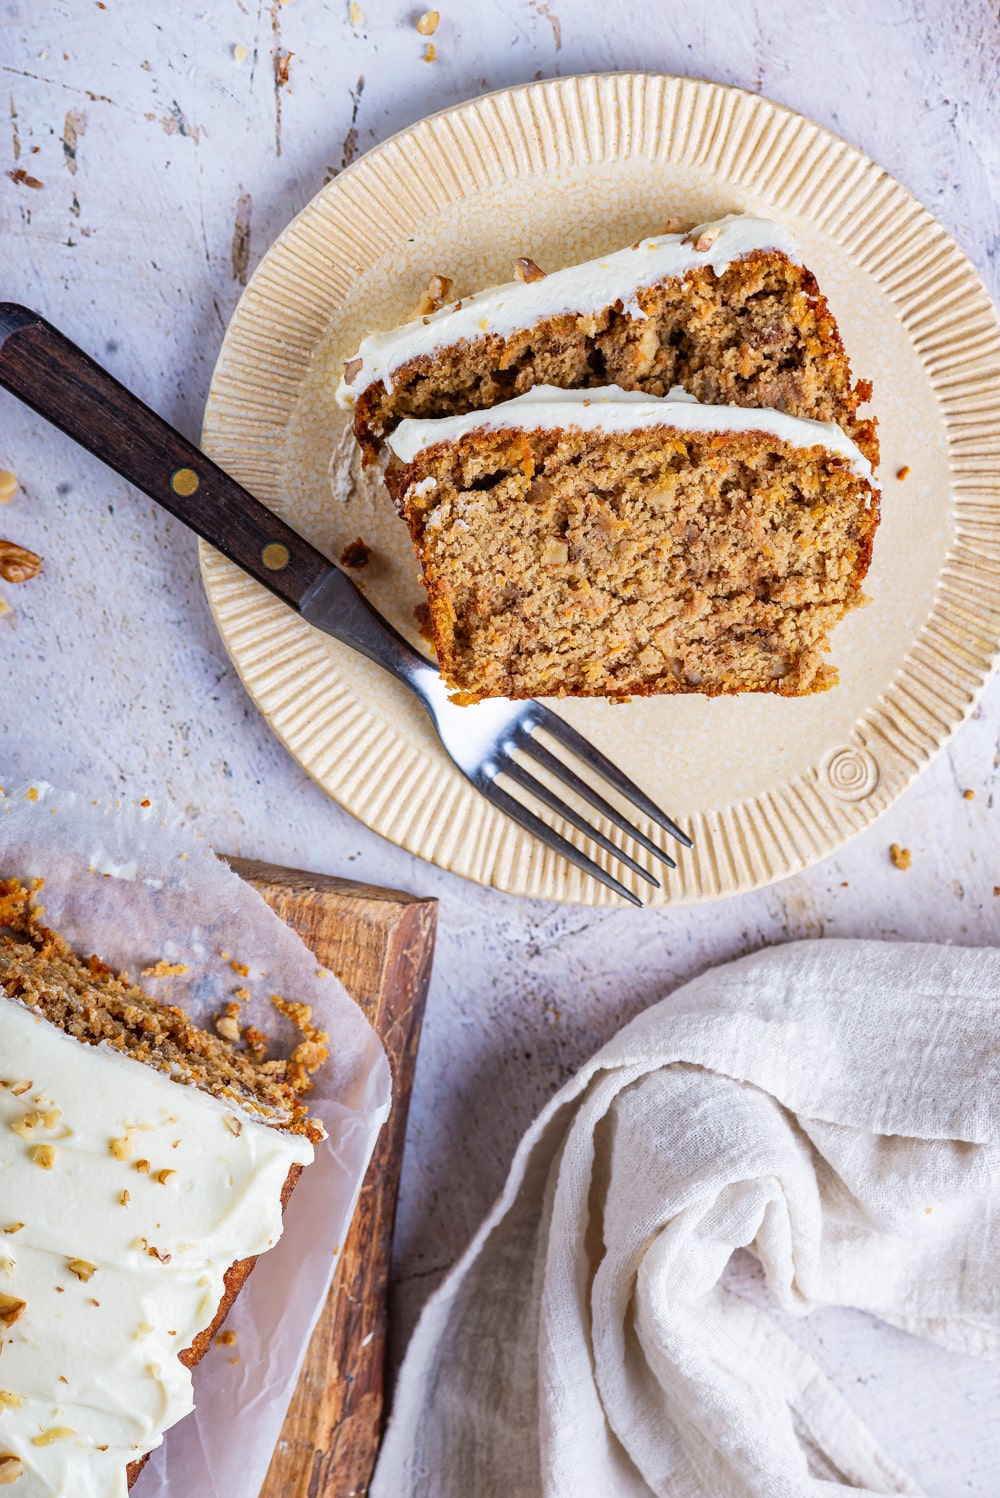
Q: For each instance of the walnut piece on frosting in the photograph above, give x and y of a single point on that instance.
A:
(11, 1309)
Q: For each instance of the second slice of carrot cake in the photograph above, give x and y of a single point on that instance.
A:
(609, 543)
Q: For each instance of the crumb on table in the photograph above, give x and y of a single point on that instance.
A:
(901, 857)
(356, 554)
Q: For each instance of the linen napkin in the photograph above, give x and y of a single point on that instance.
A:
(832, 1105)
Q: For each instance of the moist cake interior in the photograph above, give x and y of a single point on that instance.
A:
(564, 562)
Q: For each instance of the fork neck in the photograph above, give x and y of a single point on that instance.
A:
(336, 605)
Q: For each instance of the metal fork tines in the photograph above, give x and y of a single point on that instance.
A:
(521, 739)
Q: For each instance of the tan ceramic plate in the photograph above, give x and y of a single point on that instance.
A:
(562, 171)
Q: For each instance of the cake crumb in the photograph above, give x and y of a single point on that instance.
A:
(225, 1339)
(901, 857)
(430, 53)
(903, 473)
(357, 554)
(8, 485)
(240, 52)
(164, 969)
(428, 23)
(968, 795)
(281, 67)
(355, 14)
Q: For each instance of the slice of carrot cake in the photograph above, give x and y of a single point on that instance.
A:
(144, 1163)
(727, 311)
(610, 543)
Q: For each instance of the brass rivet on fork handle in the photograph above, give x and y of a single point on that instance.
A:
(184, 481)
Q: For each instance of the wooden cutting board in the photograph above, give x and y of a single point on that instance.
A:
(380, 943)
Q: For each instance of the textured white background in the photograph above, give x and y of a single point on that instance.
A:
(158, 154)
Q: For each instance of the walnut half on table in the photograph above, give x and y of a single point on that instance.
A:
(17, 563)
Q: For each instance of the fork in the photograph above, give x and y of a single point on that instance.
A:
(62, 383)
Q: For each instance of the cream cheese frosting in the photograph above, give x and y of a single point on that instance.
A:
(124, 1198)
(611, 409)
(583, 288)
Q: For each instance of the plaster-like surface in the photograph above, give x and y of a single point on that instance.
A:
(162, 184)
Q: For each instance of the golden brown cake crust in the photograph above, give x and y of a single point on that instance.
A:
(759, 335)
(571, 563)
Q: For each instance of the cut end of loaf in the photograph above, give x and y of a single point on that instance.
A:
(84, 998)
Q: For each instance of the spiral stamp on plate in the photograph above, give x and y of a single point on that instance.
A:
(851, 773)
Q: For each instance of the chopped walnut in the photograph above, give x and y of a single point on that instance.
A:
(10, 1401)
(704, 240)
(11, 1468)
(163, 1176)
(228, 1028)
(55, 1433)
(434, 296)
(526, 270)
(44, 1156)
(675, 226)
(428, 23)
(17, 564)
(21, 1089)
(15, 1227)
(124, 1199)
(352, 369)
(233, 1125)
(81, 1269)
(121, 1148)
(11, 1309)
(142, 1166)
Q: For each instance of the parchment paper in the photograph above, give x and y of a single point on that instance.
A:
(134, 886)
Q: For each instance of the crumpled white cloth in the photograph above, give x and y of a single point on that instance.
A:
(831, 1105)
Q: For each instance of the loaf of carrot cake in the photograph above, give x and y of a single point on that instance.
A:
(727, 311)
(144, 1163)
(608, 543)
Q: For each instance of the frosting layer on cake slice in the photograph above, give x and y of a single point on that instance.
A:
(606, 543)
(125, 1199)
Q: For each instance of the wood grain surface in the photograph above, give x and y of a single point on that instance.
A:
(380, 944)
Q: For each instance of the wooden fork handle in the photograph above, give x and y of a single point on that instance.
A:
(44, 369)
